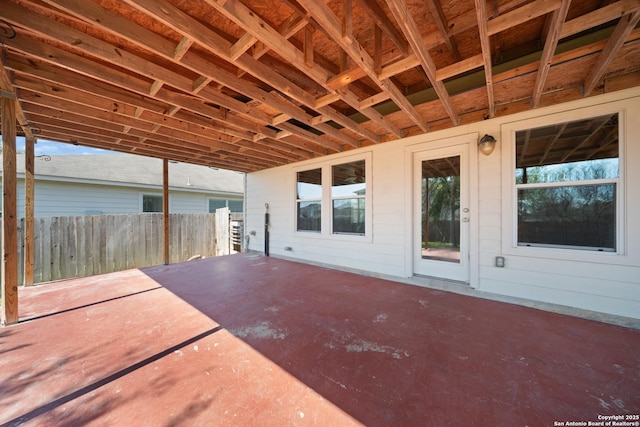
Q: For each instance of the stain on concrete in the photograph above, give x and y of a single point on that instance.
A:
(382, 317)
(263, 330)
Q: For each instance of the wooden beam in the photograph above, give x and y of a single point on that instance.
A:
(186, 102)
(9, 270)
(308, 46)
(249, 21)
(411, 32)
(508, 20)
(29, 210)
(182, 48)
(460, 67)
(56, 30)
(287, 28)
(522, 14)
(373, 100)
(626, 24)
(186, 132)
(438, 16)
(377, 50)
(6, 85)
(331, 24)
(242, 45)
(559, 15)
(165, 211)
(599, 16)
(345, 77)
(347, 20)
(399, 66)
(381, 20)
(511, 14)
(481, 11)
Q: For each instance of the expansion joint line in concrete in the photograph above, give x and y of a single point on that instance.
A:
(100, 383)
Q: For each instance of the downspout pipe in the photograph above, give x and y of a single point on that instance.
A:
(266, 229)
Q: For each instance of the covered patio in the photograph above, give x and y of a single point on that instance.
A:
(251, 340)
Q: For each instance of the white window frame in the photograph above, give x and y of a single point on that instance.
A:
(327, 200)
(510, 188)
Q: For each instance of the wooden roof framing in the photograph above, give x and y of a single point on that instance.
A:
(249, 85)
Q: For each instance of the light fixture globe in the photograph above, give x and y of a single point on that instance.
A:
(486, 144)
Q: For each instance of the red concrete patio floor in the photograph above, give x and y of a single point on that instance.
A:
(245, 340)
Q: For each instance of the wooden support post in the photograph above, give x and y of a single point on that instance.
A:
(29, 208)
(9, 267)
(165, 210)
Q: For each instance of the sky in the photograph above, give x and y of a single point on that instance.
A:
(51, 148)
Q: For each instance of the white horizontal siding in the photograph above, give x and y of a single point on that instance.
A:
(581, 275)
(187, 203)
(601, 282)
(614, 302)
(68, 199)
(63, 199)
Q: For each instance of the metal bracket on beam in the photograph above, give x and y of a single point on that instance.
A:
(7, 94)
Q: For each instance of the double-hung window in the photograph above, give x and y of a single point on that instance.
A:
(309, 200)
(348, 196)
(567, 181)
(333, 199)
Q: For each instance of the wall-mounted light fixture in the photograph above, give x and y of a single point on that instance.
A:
(486, 144)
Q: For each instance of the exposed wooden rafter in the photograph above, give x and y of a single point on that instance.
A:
(347, 42)
(481, 10)
(7, 87)
(411, 32)
(551, 42)
(626, 24)
(441, 22)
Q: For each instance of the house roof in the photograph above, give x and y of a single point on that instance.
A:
(118, 169)
(252, 84)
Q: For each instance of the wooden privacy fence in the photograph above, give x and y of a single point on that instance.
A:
(77, 246)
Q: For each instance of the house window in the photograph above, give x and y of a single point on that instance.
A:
(151, 203)
(567, 180)
(309, 200)
(233, 205)
(215, 204)
(348, 194)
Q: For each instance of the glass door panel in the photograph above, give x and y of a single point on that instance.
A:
(440, 214)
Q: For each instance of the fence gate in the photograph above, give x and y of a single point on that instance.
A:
(223, 241)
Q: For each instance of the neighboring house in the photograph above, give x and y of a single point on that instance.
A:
(551, 215)
(124, 184)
